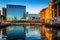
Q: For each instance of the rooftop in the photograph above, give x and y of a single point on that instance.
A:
(16, 5)
(43, 9)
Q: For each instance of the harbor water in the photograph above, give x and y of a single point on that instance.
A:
(19, 32)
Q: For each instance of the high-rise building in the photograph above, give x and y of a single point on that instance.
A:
(27, 15)
(4, 13)
(0, 12)
(15, 11)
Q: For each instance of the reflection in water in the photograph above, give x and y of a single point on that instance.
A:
(31, 33)
(23, 32)
(47, 33)
(50, 33)
(15, 32)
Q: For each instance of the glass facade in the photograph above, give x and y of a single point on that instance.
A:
(15, 11)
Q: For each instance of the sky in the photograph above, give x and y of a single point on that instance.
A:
(32, 6)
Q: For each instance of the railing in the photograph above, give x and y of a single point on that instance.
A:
(25, 22)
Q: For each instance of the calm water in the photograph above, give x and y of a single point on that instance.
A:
(23, 33)
(32, 33)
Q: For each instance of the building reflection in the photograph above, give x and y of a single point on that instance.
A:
(50, 33)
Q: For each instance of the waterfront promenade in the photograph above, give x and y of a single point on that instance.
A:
(2, 25)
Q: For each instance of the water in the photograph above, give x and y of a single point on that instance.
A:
(15, 32)
(23, 33)
(19, 32)
(33, 33)
(50, 33)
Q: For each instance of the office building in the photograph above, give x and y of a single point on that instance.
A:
(4, 14)
(0, 12)
(15, 11)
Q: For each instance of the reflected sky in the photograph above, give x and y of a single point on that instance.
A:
(18, 31)
(33, 32)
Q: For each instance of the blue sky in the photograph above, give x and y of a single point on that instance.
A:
(32, 6)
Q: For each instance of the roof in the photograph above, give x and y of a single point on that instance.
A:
(16, 5)
(34, 15)
(43, 9)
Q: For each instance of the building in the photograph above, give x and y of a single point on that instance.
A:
(49, 13)
(0, 15)
(15, 11)
(42, 15)
(56, 10)
(34, 17)
(0, 12)
(4, 11)
(1, 18)
(4, 14)
(27, 15)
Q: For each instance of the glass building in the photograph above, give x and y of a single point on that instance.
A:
(15, 11)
